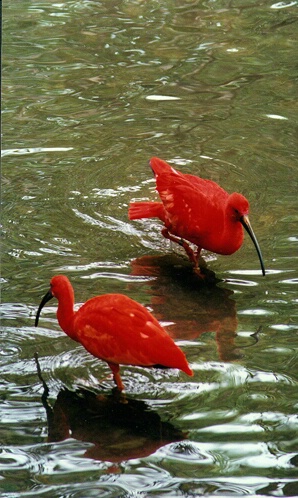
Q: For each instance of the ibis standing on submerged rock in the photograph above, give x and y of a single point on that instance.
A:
(116, 329)
(198, 211)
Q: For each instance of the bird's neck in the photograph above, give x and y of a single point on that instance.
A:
(233, 233)
(66, 314)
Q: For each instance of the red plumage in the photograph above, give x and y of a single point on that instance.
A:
(198, 211)
(115, 329)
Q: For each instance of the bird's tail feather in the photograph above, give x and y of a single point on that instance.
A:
(148, 209)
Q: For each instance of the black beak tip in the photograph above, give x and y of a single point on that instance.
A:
(247, 226)
(45, 299)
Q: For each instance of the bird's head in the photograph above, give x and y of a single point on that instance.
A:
(238, 206)
(60, 287)
(238, 209)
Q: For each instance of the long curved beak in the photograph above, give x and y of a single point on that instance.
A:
(247, 226)
(44, 300)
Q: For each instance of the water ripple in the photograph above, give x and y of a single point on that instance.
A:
(82, 72)
(35, 150)
(19, 459)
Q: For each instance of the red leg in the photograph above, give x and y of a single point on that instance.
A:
(116, 376)
(193, 255)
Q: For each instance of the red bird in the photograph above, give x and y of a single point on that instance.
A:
(197, 210)
(115, 329)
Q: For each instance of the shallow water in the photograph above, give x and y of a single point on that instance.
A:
(86, 89)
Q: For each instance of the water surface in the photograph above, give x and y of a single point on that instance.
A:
(86, 89)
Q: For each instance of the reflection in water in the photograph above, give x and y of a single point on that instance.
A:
(178, 293)
(118, 427)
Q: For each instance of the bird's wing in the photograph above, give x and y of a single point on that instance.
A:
(172, 185)
(190, 202)
(119, 330)
(183, 201)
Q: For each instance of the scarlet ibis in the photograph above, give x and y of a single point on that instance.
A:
(198, 211)
(116, 329)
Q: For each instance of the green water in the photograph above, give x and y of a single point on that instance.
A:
(84, 99)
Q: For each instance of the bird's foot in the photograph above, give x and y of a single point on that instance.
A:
(119, 396)
(205, 276)
(199, 266)
(192, 255)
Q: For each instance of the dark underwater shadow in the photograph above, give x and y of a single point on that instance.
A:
(119, 428)
(193, 305)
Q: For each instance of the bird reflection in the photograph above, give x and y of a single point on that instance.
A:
(119, 428)
(177, 293)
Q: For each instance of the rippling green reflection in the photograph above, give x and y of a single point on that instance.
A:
(91, 91)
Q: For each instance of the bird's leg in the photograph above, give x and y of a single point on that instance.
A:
(116, 376)
(192, 255)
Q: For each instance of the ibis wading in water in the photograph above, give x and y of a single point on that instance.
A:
(198, 211)
(116, 329)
